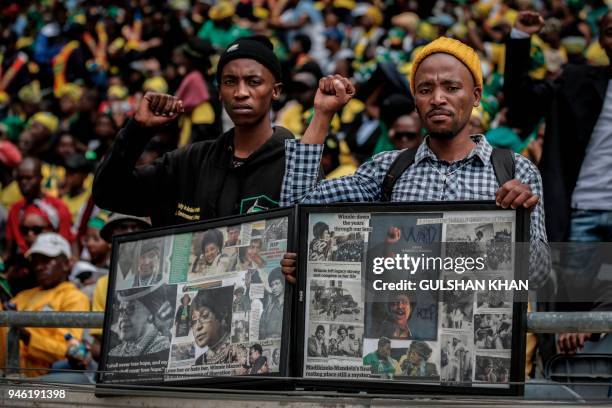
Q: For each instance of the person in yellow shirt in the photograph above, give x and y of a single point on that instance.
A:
(41, 347)
(76, 191)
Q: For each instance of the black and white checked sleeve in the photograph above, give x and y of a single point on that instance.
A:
(539, 253)
(301, 184)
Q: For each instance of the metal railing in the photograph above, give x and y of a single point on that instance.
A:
(537, 322)
(15, 320)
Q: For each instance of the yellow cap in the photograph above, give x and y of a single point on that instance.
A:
(73, 91)
(48, 120)
(155, 84)
(221, 10)
(426, 31)
(30, 93)
(23, 42)
(457, 49)
(375, 15)
(117, 91)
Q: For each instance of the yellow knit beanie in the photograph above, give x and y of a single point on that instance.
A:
(48, 120)
(457, 49)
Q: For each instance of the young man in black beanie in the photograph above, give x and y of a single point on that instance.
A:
(239, 172)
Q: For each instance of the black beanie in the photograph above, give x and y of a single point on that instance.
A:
(257, 48)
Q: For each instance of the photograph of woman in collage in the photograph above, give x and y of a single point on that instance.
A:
(231, 306)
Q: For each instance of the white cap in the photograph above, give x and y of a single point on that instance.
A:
(51, 245)
(50, 30)
(83, 266)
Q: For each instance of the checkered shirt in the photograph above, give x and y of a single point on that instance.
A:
(471, 178)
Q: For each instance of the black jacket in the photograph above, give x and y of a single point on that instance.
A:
(571, 105)
(193, 183)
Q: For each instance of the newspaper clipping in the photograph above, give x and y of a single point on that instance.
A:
(445, 337)
(194, 305)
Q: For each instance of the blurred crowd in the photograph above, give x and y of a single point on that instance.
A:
(73, 72)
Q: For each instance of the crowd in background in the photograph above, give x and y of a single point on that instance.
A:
(72, 73)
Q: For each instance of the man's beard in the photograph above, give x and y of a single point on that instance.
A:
(442, 135)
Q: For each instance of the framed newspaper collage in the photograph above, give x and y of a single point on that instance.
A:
(392, 298)
(398, 298)
(199, 303)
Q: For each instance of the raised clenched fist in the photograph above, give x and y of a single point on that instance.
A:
(394, 234)
(333, 93)
(156, 109)
(529, 22)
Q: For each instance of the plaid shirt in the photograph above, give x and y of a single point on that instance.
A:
(427, 179)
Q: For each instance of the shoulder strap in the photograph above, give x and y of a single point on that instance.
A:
(504, 165)
(503, 162)
(398, 167)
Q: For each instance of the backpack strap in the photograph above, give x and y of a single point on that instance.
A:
(397, 168)
(504, 165)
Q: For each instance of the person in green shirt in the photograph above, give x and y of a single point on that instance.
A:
(221, 30)
(380, 361)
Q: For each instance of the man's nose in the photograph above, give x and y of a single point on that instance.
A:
(438, 97)
(241, 90)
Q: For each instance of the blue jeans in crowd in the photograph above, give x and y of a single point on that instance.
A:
(591, 226)
(588, 230)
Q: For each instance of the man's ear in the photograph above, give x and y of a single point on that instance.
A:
(477, 95)
(277, 90)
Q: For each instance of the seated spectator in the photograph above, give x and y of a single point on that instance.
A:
(37, 218)
(221, 29)
(29, 177)
(402, 124)
(50, 260)
(201, 118)
(85, 274)
(302, 89)
(75, 189)
(334, 159)
(42, 127)
(65, 146)
(71, 119)
(99, 250)
(10, 157)
(104, 130)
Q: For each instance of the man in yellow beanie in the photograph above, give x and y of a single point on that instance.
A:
(450, 163)
(42, 122)
(42, 126)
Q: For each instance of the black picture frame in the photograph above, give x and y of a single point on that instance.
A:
(514, 386)
(272, 380)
